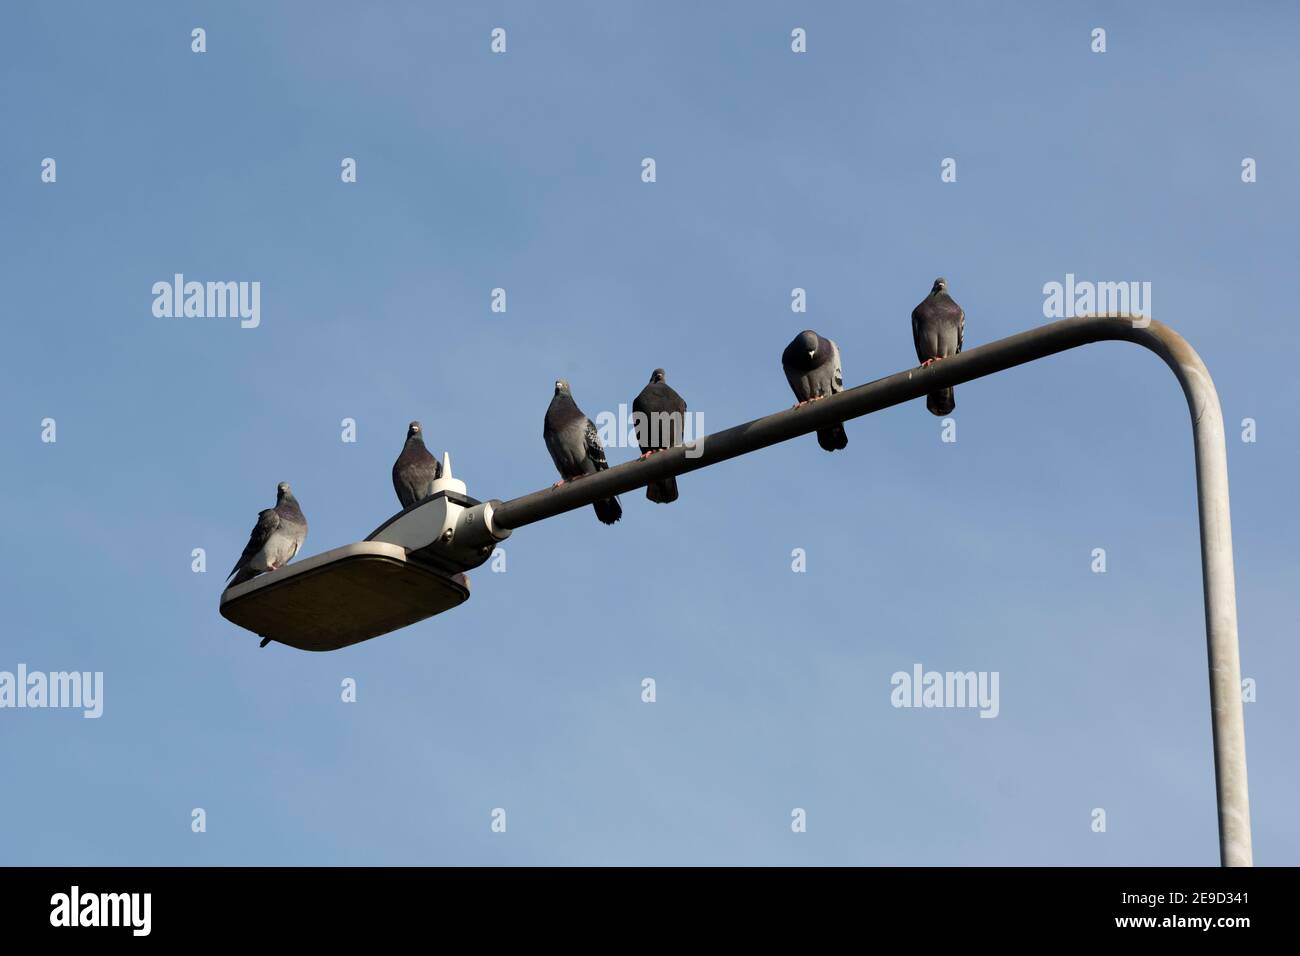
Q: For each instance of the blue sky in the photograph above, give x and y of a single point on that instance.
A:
(522, 171)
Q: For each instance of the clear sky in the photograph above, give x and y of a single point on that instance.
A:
(522, 170)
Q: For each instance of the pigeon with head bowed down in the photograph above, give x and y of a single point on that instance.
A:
(659, 414)
(575, 447)
(416, 469)
(279, 533)
(812, 367)
(938, 327)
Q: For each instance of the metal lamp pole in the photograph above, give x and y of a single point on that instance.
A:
(1226, 714)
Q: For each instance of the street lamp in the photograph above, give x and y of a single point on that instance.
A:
(412, 567)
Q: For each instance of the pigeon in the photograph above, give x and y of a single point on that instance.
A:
(938, 325)
(659, 414)
(812, 366)
(415, 470)
(279, 533)
(575, 447)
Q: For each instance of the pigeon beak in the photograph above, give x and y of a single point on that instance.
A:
(812, 353)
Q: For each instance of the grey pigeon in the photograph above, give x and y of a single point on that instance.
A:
(415, 470)
(812, 366)
(659, 414)
(575, 447)
(279, 533)
(938, 326)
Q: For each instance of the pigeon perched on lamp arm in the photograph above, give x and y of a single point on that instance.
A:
(938, 327)
(812, 367)
(275, 539)
(416, 469)
(575, 447)
(659, 414)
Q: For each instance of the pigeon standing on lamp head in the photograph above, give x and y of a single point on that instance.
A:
(416, 469)
(575, 446)
(660, 417)
(812, 367)
(275, 539)
(938, 327)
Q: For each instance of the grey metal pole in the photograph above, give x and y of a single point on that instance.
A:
(1227, 719)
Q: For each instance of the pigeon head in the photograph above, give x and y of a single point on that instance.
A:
(561, 387)
(940, 285)
(658, 376)
(413, 429)
(284, 499)
(808, 342)
(284, 495)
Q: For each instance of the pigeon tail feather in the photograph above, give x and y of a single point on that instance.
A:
(941, 402)
(662, 491)
(608, 510)
(242, 575)
(833, 439)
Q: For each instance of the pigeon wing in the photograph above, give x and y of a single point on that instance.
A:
(595, 450)
(267, 523)
(917, 340)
